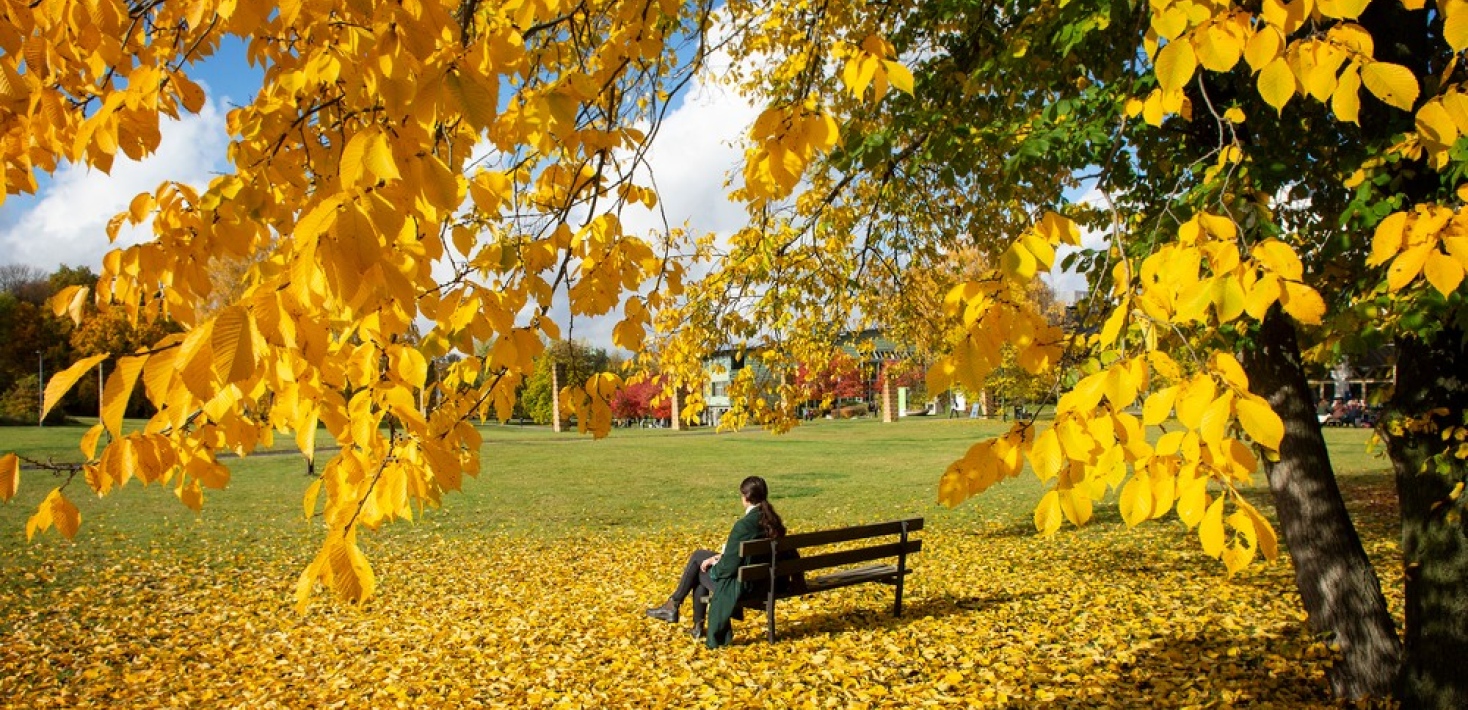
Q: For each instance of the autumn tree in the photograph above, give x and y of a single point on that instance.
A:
(643, 398)
(828, 382)
(1259, 171)
(463, 165)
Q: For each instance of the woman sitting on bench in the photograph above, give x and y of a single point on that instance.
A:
(719, 572)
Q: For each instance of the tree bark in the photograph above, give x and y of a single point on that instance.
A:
(1430, 375)
(1337, 583)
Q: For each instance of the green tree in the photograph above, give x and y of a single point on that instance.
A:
(579, 362)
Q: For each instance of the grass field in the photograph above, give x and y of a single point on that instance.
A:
(527, 588)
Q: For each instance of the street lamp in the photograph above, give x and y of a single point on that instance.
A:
(41, 386)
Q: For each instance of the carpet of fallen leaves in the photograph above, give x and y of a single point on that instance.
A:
(1103, 617)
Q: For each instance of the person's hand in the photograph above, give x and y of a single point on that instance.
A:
(710, 562)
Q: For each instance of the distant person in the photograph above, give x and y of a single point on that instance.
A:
(719, 572)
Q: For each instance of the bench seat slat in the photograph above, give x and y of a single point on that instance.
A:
(886, 574)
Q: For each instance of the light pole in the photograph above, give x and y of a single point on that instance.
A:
(41, 386)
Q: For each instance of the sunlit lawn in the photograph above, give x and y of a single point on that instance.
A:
(528, 588)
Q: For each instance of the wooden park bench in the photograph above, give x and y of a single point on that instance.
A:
(879, 545)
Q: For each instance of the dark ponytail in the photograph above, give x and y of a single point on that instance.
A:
(757, 493)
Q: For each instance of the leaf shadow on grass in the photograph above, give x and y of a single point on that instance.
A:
(1260, 668)
(876, 618)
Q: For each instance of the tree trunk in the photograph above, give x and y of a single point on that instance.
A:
(1336, 580)
(1434, 539)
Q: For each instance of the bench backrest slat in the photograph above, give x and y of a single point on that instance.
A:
(756, 573)
(826, 537)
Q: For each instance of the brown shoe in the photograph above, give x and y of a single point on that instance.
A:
(667, 612)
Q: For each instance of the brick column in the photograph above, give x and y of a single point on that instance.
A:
(889, 402)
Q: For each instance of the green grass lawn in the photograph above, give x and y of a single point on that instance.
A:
(529, 584)
(824, 473)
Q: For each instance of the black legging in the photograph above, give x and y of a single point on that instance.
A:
(693, 576)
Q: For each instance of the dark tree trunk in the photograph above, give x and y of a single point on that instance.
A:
(1336, 580)
(1431, 375)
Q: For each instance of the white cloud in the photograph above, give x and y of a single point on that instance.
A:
(1071, 286)
(690, 158)
(66, 223)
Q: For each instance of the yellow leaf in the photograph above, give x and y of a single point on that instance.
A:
(70, 301)
(1263, 48)
(1228, 298)
(1442, 271)
(1286, 16)
(1192, 502)
(1111, 329)
(477, 101)
(1158, 406)
(1120, 386)
(1341, 9)
(1346, 101)
(1394, 84)
(308, 503)
(1455, 28)
(1303, 303)
(62, 382)
(1210, 529)
(1260, 421)
(64, 515)
(1076, 506)
(1176, 64)
(1225, 364)
(1136, 500)
(1046, 458)
(1277, 83)
(379, 158)
(318, 220)
(1018, 263)
(233, 342)
(118, 391)
(9, 476)
(1193, 399)
(351, 169)
(1164, 365)
(1404, 268)
(900, 77)
(351, 576)
(1047, 514)
(1170, 22)
(1268, 542)
(89, 440)
(1218, 49)
(1387, 241)
(1280, 258)
(1435, 124)
(1234, 115)
(1056, 228)
(952, 489)
(191, 495)
(1214, 423)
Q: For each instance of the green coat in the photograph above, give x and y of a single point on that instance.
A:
(724, 601)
